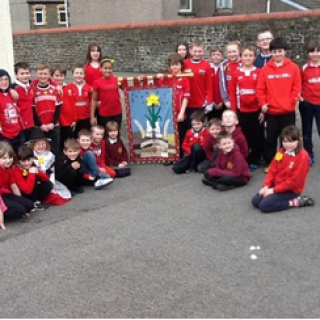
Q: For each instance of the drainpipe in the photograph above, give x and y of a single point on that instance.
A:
(67, 15)
(268, 6)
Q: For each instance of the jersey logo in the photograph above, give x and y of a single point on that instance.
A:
(230, 165)
(201, 71)
(120, 150)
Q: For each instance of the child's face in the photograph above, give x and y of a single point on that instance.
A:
(263, 40)
(176, 67)
(278, 55)
(26, 164)
(78, 75)
(226, 145)
(197, 52)
(95, 53)
(113, 134)
(40, 146)
(196, 125)
(43, 76)
(85, 142)
(314, 56)
(107, 69)
(71, 153)
(97, 135)
(216, 57)
(4, 83)
(214, 130)
(6, 161)
(58, 77)
(248, 58)
(233, 53)
(182, 50)
(229, 119)
(23, 75)
(290, 145)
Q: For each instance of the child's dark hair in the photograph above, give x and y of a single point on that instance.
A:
(110, 126)
(106, 60)
(313, 46)
(292, 133)
(187, 49)
(175, 58)
(249, 48)
(215, 48)
(42, 66)
(84, 132)
(71, 144)
(24, 153)
(278, 43)
(224, 135)
(59, 69)
(78, 65)
(6, 147)
(90, 47)
(214, 122)
(21, 65)
(198, 116)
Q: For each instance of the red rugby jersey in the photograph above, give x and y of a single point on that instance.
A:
(215, 73)
(310, 77)
(68, 113)
(92, 74)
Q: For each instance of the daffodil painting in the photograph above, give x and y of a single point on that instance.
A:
(151, 125)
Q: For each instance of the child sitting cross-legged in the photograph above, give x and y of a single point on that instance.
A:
(231, 169)
(69, 167)
(193, 145)
(89, 160)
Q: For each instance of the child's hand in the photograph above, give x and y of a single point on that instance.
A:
(44, 128)
(2, 226)
(180, 117)
(60, 90)
(75, 165)
(219, 105)
(261, 117)
(102, 170)
(263, 190)
(264, 108)
(268, 192)
(73, 126)
(33, 170)
(121, 165)
(93, 121)
(228, 104)
(14, 94)
(50, 126)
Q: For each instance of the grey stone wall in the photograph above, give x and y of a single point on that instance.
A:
(145, 47)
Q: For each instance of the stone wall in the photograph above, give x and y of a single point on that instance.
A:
(144, 47)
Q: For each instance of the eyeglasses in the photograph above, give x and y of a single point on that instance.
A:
(265, 39)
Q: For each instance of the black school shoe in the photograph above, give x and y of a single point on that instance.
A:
(223, 187)
(206, 180)
(305, 201)
(77, 190)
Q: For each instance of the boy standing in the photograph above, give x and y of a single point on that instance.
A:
(201, 90)
(263, 42)
(231, 170)
(47, 106)
(278, 88)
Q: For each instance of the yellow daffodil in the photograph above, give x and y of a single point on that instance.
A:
(153, 99)
(278, 156)
(24, 172)
(41, 160)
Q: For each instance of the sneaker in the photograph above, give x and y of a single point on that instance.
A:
(38, 206)
(168, 163)
(305, 201)
(78, 190)
(223, 187)
(311, 161)
(100, 183)
(266, 169)
(253, 166)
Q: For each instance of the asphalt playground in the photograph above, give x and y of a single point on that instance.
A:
(158, 245)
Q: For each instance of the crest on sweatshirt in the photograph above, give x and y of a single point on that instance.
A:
(120, 150)
(230, 165)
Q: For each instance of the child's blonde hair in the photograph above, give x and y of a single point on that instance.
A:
(6, 147)
(33, 142)
(110, 126)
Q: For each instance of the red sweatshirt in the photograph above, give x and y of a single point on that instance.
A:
(243, 90)
(193, 137)
(231, 164)
(68, 113)
(99, 150)
(201, 89)
(25, 180)
(115, 153)
(279, 87)
(241, 141)
(310, 77)
(208, 148)
(287, 172)
(6, 180)
(92, 74)
(215, 74)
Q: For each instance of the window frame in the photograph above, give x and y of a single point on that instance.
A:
(226, 4)
(61, 8)
(190, 10)
(43, 12)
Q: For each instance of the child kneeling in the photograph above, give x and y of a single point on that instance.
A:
(286, 177)
(231, 169)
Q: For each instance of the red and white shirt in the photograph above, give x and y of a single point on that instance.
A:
(310, 77)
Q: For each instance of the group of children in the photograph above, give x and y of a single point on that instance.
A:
(230, 114)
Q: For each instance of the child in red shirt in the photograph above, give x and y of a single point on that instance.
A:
(10, 124)
(193, 145)
(286, 177)
(230, 170)
(92, 64)
(116, 153)
(106, 90)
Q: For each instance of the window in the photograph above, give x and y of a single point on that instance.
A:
(186, 6)
(224, 4)
(39, 15)
(62, 14)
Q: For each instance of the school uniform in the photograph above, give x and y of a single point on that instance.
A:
(262, 60)
(241, 141)
(211, 150)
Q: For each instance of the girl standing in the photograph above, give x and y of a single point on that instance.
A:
(183, 50)
(287, 176)
(92, 64)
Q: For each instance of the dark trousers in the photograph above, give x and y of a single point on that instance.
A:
(273, 125)
(54, 135)
(66, 132)
(25, 135)
(309, 112)
(15, 142)
(102, 120)
(225, 180)
(273, 202)
(216, 113)
(17, 206)
(40, 191)
(81, 124)
(191, 161)
(182, 130)
(72, 179)
(206, 164)
(253, 131)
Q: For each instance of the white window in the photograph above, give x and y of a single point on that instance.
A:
(186, 6)
(224, 4)
(39, 15)
(62, 14)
